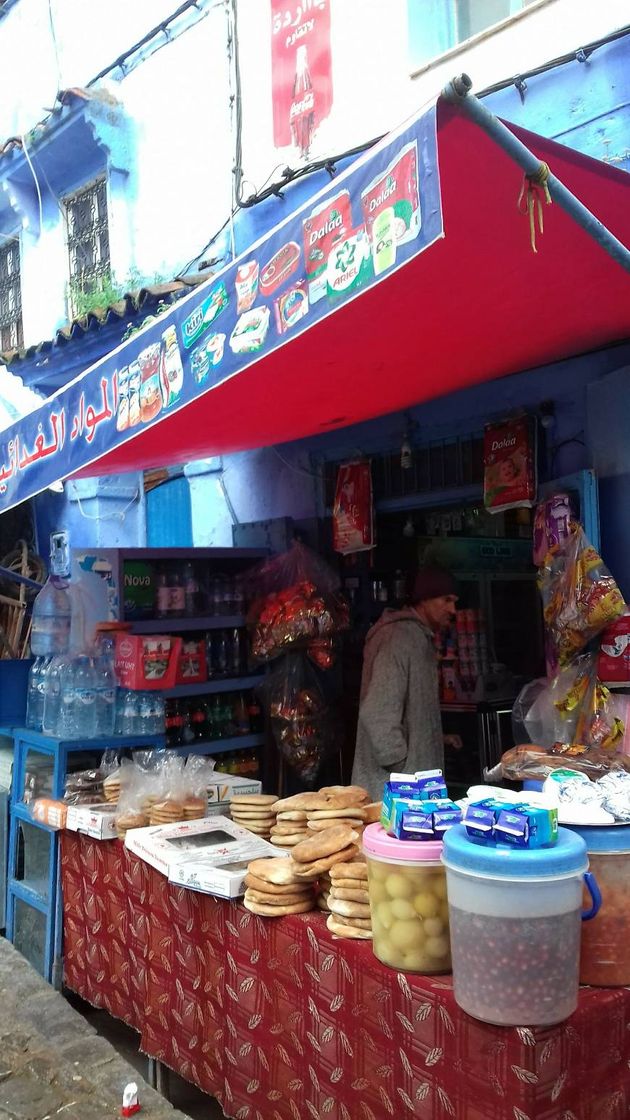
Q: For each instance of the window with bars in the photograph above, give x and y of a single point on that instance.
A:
(88, 241)
(11, 334)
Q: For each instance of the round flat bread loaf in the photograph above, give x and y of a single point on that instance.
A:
(315, 869)
(279, 911)
(350, 884)
(350, 895)
(353, 869)
(372, 812)
(362, 923)
(265, 899)
(292, 815)
(276, 889)
(272, 870)
(254, 799)
(348, 909)
(354, 812)
(301, 801)
(318, 824)
(324, 843)
(289, 828)
(322, 903)
(342, 930)
(286, 841)
(358, 793)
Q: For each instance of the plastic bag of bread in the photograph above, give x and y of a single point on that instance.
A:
(304, 726)
(296, 602)
(534, 763)
(574, 707)
(580, 597)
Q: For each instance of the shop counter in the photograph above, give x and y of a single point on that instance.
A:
(279, 1020)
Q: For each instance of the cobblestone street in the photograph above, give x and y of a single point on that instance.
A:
(52, 1063)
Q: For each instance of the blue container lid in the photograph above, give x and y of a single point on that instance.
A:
(567, 856)
(604, 838)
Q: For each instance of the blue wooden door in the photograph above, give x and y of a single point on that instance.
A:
(169, 515)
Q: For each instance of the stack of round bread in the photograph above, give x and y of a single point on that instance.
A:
(272, 889)
(348, 900)
(129, 819)
(255, 811)
(320, 851)
(111, 787)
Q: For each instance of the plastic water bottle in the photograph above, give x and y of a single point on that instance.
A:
(51, 718)
(157, 713)
(145, 715)
(67, 700)
(85, 697)
(129, 725)
(105, 684)
(50, 632)
(35, 693)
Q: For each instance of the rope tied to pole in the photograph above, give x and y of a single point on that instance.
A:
(535, 192)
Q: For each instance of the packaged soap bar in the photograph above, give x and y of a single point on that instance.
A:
(519, 824)
(423, 786)
(428, 820)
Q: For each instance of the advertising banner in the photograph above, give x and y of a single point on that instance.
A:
(301, 70)
(353, 511)
(377, 215)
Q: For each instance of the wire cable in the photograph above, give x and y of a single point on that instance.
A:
(37, 187)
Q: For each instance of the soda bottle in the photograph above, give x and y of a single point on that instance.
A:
(177, 596)
(241, 716)
(229, 722)
(217, 596)
(221, 654)
(235, 653)
(239, 598)
(199, 721)
(228, 596)
(163, 598)
(302, 111)
(217, 719)
(191, 590)
(178, 725)
(188, 731)
(254, 710)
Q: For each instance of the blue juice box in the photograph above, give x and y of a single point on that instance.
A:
(424, 786)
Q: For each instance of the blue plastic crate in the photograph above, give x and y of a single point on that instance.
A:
(13, 685)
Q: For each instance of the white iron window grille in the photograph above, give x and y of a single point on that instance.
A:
(88, 239)
(11, 333)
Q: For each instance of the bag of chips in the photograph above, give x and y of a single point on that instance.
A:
(304, 725)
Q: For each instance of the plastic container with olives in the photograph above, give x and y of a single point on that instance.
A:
(408, 906)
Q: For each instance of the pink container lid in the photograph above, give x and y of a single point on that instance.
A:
(376, 842)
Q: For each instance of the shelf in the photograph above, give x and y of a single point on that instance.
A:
(219, 746)
(177, 625)
(108, 742)
(210, 688)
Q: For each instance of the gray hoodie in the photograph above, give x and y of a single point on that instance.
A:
(399, 714)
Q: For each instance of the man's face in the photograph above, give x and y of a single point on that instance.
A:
(439, 612)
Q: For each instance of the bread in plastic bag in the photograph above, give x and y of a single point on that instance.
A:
(297, 601)
(534, 763)
(580, 597)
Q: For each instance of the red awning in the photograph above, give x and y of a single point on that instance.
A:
(476, 305)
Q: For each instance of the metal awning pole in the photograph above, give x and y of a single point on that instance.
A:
(457, 92)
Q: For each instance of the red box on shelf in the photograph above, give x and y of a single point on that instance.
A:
(192, 667)
(145, 663)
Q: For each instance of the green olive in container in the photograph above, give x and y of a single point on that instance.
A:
(408, 906)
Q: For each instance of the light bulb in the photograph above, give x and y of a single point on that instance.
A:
(408, 528)
(406, 455)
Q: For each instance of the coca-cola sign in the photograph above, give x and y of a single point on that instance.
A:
(301, 71)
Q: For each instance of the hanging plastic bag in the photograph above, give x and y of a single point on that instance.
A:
(534, 763)
(580, 597)
(297, 601)
(303, 725)
(353, 511)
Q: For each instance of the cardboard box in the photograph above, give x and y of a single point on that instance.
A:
(96, 821)
(50, 812)
(191, 664)
(222, 787)
(209, 855)
(143, 663)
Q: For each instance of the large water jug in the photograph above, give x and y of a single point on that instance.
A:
(52, 609)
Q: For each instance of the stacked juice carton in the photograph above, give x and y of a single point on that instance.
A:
(417, 806)
(517, 820)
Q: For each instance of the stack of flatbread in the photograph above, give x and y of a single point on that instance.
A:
(255, 811)
(272, 889)
(348, 900)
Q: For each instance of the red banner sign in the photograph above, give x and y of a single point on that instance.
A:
(301, 70)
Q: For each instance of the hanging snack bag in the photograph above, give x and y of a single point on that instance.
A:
(302, 722)
(510, 465)
(353, 521)
(297, 601)
(552, 526)
(580, 597)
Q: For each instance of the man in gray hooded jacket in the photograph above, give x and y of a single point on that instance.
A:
(399, 726)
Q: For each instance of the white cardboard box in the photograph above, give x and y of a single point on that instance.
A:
(222, 787)
(208, 855)
(96, 821)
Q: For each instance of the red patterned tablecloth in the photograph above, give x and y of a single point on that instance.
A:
(281, 1021)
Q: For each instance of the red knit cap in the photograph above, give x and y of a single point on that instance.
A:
(431, 583)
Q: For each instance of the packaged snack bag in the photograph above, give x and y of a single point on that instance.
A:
(353, 522)
(552, 526)
(510, 464)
